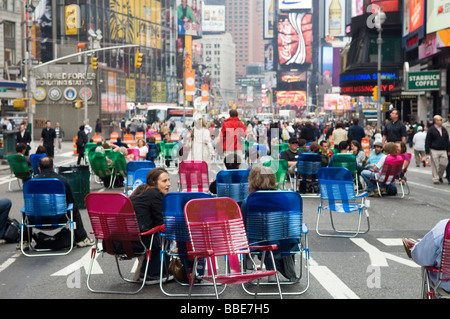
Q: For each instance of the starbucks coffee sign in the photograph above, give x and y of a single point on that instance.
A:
(424, 81)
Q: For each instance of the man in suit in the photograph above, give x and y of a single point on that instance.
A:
(23, 136)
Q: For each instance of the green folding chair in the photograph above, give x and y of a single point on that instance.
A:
(101, 168)
(280, 168)
(19, 168)
(348, 161)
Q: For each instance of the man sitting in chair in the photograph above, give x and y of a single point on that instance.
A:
(47, 169)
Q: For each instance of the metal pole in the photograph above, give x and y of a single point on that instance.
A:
(29, 66)
(379, 42)
(86, 83)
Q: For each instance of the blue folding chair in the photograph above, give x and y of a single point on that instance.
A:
(233, 183)
(153, 153)
(276, 218)
(45, 209)
(262, 149)
(176, 231)
(308, 166)
(336, 189)
(34, 159)
(132, 167)
(140, 177)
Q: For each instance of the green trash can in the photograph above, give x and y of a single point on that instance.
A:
(78, 177)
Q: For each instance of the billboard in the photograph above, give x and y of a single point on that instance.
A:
(335, 18)
(291, 98)
(337, 102)
(269, 19)
(189, 14)
(295, 39)
(438, 15)
(213, 19)
(294, 4)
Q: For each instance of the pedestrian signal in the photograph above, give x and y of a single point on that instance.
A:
(138, 60)
(94, 63)
(78, 104)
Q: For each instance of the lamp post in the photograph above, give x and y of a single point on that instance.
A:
(380, 19)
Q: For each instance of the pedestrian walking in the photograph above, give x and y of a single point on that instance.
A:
(23, 136)
(419, 146)
(356, 132)
(48, 137)
(446, 125)
(232, 134)
(59, 137)
(437, 146)
(82, 139)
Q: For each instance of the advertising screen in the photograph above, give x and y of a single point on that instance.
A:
(438, 15)
(292, 98)
(213, 19)
(189, 13)
(294, 4)
(294, 39)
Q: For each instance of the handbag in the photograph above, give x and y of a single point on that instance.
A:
(12, 231)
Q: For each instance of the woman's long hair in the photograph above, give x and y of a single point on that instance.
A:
(152, 181)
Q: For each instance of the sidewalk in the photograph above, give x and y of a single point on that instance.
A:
(65, 155)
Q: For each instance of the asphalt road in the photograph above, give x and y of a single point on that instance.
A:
(371, 266)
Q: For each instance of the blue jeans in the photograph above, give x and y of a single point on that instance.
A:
(369, 178)
(5, 207)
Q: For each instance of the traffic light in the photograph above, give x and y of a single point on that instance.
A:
(375, 93)
(94, 63)
(138, 60)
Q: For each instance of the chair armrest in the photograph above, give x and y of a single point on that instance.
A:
(305, 229)
(70, 206)
(157, 229)
(264, 248)
(362, 195)
(22, 210)
(201, 253)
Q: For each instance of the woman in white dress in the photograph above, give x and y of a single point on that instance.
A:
(201, 146)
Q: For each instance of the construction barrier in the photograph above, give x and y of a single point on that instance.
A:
(365, 145)
(175, 137)
(113, 137)
(75, 145)
(97, 138)
(139, 136)
(157, 138)
(129, 140)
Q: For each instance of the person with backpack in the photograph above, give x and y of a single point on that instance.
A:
(5, 207)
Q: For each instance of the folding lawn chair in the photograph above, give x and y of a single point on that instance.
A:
(276, 218)
(280, 168)
(308, 165)
(216, 229)
(170, 153)
(34, 159)
(176, 231)
(114, 222)
(348, 161)
(390, 172)
(45, 209)
(100, 167)
(140, 177)
(193, 176)
(336, 190)
(233, 183)
(132, 167)
(18, 166)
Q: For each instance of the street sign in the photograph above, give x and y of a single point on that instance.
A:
(424, 81)
(2, 90)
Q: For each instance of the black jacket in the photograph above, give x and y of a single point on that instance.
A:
(435, 141)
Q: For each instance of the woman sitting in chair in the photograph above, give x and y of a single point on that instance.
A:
(147, 202)
(263, 178)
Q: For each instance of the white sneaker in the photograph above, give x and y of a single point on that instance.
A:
(86, 242)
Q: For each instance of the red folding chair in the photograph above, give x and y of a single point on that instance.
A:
(216, 229)
(431, 290)
(193, 176)
(392, 168)
(114, 222)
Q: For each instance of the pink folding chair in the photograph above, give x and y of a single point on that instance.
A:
(392, 168)
(216, 229)
(430, 289)
(135, 153)
(114, 223)
(193, 176)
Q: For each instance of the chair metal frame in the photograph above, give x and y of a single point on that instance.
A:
(308, 164)
(336, 188)
(216, 228)
(228, 181)
(113, 219)
(176, 231)
(19, 169)
(271, 220)
(429, 289)
(45, 208)
(191, 174)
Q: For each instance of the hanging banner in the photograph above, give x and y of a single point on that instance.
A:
(190, 82)
(205, 93)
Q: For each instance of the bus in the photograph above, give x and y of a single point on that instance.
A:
(163, 112)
